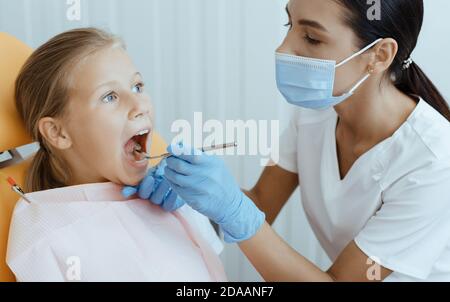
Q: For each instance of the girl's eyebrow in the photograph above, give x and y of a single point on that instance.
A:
(306, 22)
(110, 83)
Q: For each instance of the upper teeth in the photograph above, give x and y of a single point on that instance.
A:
(143, 132)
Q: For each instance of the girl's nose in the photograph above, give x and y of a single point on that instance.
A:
(140, 115)
(140, 108)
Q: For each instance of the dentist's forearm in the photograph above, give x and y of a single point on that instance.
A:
(273, 190)
(276, 261)
(269, 211)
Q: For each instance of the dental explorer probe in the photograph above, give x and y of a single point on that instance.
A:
(205, 149)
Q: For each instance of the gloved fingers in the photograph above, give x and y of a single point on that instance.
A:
(172, 202)
(127, 192)
(159, 169)
(179, 179)
(160, 193)
(180, 166)
(146, 187)
(189, 154)
(176, 188)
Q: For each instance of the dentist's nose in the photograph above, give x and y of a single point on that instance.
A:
(285, 47)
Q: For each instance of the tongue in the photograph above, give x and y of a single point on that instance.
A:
(130, 149)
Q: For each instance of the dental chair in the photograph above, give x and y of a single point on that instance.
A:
(13, 55)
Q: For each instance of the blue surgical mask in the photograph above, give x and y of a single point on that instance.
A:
(309, 82)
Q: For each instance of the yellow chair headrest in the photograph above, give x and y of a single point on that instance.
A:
(13, 54)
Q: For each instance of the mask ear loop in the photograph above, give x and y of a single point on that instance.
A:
(359, 52)
(359, 84)
(354, 56)
(370, 71)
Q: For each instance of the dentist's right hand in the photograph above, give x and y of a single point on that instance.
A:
(205, 184)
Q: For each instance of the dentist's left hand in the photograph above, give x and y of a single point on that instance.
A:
(155, 188)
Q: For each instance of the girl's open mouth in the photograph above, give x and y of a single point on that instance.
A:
(136, 145)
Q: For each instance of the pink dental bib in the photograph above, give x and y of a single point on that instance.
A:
(91, 233)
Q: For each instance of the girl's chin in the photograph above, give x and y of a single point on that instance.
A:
(132, 171)
(129, 181)
(134, 177)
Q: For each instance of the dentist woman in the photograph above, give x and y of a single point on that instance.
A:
(369, 146)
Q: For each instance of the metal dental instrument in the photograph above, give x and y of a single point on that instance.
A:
(205, 149)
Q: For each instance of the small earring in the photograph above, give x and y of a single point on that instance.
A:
(371, 70)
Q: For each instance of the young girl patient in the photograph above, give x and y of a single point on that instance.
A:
(83, 100)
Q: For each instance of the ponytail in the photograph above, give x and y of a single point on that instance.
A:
(46, 172)
(402, 21)
(413, 81)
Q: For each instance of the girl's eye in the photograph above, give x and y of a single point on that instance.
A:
(311, 40)
(139, 88)
(112, 97)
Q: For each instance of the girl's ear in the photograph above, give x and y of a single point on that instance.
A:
(54, 133)
(383, 55)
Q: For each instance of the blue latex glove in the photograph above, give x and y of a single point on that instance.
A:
(156, 188)
(205, 184)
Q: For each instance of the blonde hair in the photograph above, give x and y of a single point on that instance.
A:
(42, 90)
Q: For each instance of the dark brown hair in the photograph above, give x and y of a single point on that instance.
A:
(402, 21)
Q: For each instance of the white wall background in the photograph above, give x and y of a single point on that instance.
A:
(213, 56)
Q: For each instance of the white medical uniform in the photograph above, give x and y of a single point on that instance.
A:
(395, 200)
